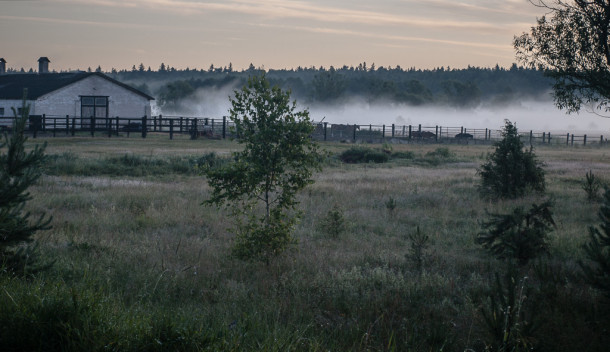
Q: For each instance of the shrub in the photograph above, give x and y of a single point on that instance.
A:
(519, 235)
(510, 171)
(591, 186)
(442, 152)
(597, 271)
(334, 222)
(356, 155)
(417, 250)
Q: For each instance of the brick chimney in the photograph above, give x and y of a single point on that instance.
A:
(43, 64)
(2, 66)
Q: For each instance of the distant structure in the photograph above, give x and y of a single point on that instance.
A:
(80, 95)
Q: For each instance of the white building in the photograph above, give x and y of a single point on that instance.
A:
(80, 95)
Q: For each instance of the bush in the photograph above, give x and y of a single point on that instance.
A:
(356, 155)
(334, 222)
(591, 186)
(597, 272)
(510, 171)
(519, 235)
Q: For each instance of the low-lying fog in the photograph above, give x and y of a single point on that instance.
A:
(539, 116)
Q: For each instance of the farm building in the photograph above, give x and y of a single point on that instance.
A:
(80, 95)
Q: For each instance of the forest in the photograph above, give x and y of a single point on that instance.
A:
(444, 86)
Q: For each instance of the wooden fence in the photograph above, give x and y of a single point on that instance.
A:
(221, 128)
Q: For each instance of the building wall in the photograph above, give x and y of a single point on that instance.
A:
(6, 113)
(122, 102)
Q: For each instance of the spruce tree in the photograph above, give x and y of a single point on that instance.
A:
(597, 271)
(19, 169)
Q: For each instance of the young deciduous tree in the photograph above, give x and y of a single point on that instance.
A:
(572, 43)
(19, 169)
(278, 160)
(510, 171)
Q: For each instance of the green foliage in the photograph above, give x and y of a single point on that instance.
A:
(334, 222)
(356, 155)
(442, 152)
(597, 270)
(328, 86)
(571, 44)
(509, 316)
(419, 242)
(520, 235)
(19, 169)
(277, 161)
(591, 186)
(390, 204)
(510, 171)
(462, 95)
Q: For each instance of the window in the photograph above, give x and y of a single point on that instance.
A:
(94, 106)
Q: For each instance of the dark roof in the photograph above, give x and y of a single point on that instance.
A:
(12, 85)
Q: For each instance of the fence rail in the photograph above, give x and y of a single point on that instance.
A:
(221, 128)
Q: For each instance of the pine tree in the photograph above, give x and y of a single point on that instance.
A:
(19, 169)
(597, 272)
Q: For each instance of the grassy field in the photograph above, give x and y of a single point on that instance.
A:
(140, 264)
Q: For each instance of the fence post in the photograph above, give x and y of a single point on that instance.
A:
(73, 126)
(585, 140)
(393, 130)
(67, 125)
(171, 129)
(572, 138)
(549, 138)
(154, 123)
(383, 132)
(531, 136)
(194, 129)
(403, 130)
(419, 129)
(92, 126)
(436, 135)
(543, 137)
(109, 123)
(224, 128)
(568, 139)
(144, 126)
(355, 133)
(325, 127)
(601, 140)
(117, 125)
(409, 131)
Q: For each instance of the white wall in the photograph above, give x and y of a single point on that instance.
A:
(122, 102)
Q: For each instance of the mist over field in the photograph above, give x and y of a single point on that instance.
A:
(541, 115)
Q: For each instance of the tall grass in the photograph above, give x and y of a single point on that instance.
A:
(141, 265)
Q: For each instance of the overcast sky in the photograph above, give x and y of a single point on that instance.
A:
(77, 34)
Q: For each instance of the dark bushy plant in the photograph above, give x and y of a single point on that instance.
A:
(511, 171)
(356, 155)
(520, 235)
(597, 271)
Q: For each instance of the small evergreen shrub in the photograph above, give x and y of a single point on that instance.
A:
(597, 270)
(591, 186)
(419, 242)
(511, 171)
(334, 222)
(520, 235)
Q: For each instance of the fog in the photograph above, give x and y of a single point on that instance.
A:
(538, 116)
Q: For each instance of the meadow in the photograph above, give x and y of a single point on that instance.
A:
(138, 264)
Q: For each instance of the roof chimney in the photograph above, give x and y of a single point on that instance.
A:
(43, 64)
(2, 66)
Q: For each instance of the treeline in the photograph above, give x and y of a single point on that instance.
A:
(459, 88)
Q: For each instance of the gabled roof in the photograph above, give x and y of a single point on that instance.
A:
(12, 85)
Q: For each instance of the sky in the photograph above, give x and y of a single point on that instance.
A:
(270, 34)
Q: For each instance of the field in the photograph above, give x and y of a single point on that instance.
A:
(139, 264)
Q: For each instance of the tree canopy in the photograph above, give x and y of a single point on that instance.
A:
(572, 44)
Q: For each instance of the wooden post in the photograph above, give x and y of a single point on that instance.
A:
(325, 127)
(486, 134)
(354, 133)
(144, 126)
(568, 139)
(54, 125)
(419, 129)
(73, 126)
(393, 130)
(543, 137)
(181, 124)
(585, 140)
(531, 136)
(403, 130)
(572, 138)
(109, 127)
(601, 140)
(409, 131)
(160, 123)
(383, 132)
(92, 126)
(436, 135)
(154, 123)
(67, 125)
(171, 129)
(549, 137)
(224, 128)
(116, 119)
